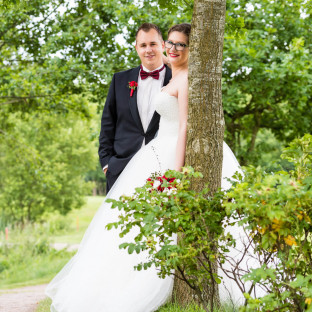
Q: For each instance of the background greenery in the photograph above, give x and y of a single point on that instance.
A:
(57, 59)
(59, 56)
(29, 257)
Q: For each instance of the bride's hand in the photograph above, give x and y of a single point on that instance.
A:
(166, 60)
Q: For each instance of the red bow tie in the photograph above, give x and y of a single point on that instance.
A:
(154, 74)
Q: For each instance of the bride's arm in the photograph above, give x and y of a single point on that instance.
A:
(181, 144)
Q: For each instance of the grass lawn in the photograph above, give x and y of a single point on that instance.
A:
(44, 306)
(27, 258)
(83, 216)
(22, 266)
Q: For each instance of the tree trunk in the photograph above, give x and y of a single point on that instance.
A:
(205, 115)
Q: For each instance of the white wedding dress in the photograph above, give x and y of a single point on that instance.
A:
(101, 277)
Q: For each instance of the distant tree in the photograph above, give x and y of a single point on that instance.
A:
(99, 179)
(50, 50)
(267, 75)
(43, 161)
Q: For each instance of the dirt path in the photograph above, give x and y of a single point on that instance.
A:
(24, 299)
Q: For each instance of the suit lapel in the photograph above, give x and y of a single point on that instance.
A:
(134, 75)
(156, 117)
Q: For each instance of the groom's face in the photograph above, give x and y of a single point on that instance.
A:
(150, 47)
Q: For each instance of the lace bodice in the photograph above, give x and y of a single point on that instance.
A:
(168, 109)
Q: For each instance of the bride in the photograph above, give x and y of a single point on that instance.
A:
(100, 277)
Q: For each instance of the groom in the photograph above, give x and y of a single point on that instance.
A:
(129, 119)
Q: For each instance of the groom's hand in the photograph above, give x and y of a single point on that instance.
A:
(105, 170)
(166, 60)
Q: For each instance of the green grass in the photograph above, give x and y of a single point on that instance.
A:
(73, 235)
(27, 258)
(30, 262)
(174, 307)
(44, 306)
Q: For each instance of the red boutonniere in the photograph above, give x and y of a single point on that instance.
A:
(132, 86)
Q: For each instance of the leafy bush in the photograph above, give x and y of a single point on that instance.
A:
(273, 210)
(276, 209)
(166, 207)
(55, 223)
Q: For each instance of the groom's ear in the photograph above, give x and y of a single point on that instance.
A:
(163, 45)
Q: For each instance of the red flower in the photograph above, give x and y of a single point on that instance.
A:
(161, 180)
(132, 86)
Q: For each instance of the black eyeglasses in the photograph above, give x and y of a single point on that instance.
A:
(178, 46)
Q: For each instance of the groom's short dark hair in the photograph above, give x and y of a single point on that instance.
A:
(146, 27)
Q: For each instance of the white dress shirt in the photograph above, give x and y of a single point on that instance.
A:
(147, 89)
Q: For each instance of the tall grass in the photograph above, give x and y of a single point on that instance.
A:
(30, 261)
(27, 258)
(71, 228)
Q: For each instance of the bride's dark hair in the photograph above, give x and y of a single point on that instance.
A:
(184, 28)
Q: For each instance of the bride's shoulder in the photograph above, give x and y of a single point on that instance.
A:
(182, 78)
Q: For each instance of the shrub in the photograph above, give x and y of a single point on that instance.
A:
(166, 207)
(272, 210)
(276, 209)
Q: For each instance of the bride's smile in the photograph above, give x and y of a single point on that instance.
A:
(177, 49)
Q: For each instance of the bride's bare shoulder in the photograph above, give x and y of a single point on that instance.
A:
(183, 81)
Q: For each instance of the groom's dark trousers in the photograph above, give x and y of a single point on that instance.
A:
(122, 132)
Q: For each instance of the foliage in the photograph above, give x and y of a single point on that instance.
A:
(273, 211)
(267, 74)
(164, 208)
(34, 244)
(51, 50)
(42, 163)
(58, 57)
(69, 229)
(97, 176)
(276, 210)
(29, 260)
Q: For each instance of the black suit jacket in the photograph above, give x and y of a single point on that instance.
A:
(122, 133)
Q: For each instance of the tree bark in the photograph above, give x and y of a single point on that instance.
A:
(205, 113)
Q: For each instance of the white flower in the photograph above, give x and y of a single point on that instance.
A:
(156, 184)
(171, 191)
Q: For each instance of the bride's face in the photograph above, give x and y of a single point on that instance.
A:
(177, 54)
